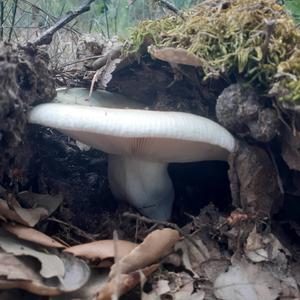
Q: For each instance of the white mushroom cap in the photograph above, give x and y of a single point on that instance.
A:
(150, 135)
(80, 96)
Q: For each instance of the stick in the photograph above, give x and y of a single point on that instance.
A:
(1, 19)
(170, 6)
(13, 20)
(46, 37)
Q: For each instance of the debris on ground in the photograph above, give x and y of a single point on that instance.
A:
(235, 230)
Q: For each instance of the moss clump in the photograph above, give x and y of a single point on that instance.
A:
(240, 38)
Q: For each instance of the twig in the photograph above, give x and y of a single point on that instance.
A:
(1, 19)
(167, 224)
(78, 231)
(106, 20)
(47, 15)
(46, 37)
(13, 20)
(80, 60)
(116, 17)
(170, 6)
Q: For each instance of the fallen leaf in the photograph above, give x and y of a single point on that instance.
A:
(157, 244)
(31, 216)
(162, 287)
(97, 280)
(124, 282)
(37, 207)
(245, 281)
(32, 235)
(101, 249)
(8, 214)
(184, 296)
(22, 273)
(76, 274)
(175, 56)
(34, 287)
(265, 247)
(46, 201)
(51, 265)
(106, 72)
(211, 268)
(191, 257)
(12, 268)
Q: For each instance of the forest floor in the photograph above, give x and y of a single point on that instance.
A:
(235, 227)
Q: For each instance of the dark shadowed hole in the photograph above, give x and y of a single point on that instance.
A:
(197, 184)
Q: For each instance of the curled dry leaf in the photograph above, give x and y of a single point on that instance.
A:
(51, 265)
(265, 247)
(38, 206)
(25, 272)
(31, 216)
(76, 274)
(22, 273)
(32, 235)
(124, 283)
(157, 244)
(107, 70)
(175, 56)
(49, 202)
(101, 250)
(8, 214)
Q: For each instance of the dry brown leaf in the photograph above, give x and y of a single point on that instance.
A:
(31, 216)
(34, 287)
(101, 249)
(46, 201)
(191, 257)
(9, 214)
(51, 265)
(14, 271)
(175, 56)
(23, 274)
(12, 268)
(157, 244)
(38, 206)
(126, 283)
(32, 235)
(265, 247)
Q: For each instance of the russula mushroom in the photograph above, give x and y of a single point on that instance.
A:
(140, 144)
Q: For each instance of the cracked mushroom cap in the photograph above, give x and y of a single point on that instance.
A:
(150, 135)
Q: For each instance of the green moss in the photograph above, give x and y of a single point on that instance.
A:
(248, 39)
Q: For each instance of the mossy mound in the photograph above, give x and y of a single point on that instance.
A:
(256, 41)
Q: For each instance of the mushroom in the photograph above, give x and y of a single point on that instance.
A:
(140, 144)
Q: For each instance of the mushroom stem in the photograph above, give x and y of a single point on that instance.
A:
(145, 184)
